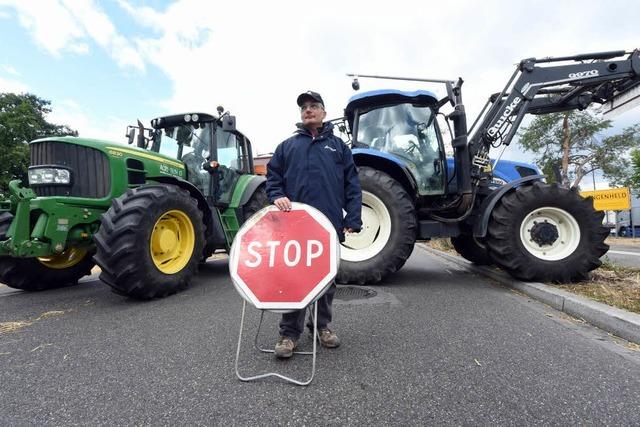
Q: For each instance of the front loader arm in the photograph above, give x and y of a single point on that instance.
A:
(539, 89)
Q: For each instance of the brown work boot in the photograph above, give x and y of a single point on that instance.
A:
(284, 347)
(328, 338)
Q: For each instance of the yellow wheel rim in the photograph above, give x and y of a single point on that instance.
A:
(70, 257)
(172, 241)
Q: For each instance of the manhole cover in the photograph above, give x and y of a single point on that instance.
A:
(350, 293)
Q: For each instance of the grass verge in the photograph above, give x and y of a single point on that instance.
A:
(611, 284)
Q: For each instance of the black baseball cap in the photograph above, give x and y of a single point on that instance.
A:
(309, 95)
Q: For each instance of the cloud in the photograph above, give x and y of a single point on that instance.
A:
(11, 70)
(78, 116)
(69, 26)
(13, 86)
(51, 26)
(255, 58)
(97, 25)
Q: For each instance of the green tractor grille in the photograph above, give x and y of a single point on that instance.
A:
(90, 174)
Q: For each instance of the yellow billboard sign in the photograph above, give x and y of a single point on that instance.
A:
(613, 199)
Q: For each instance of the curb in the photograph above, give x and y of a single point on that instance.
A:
(621, 323)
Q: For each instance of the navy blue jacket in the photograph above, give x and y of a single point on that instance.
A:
(319, 172)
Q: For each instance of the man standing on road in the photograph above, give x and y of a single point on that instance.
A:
(314, 167)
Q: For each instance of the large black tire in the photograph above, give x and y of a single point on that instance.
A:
(137, 256)
(546, 233)
(388, 231)
(39, 274)
(257, 201)
(471, 249)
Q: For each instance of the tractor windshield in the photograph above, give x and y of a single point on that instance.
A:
(191, 145)
(407, 132)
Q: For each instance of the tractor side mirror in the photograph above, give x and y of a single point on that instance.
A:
(142, 142)
(229, 123)
(131, 134)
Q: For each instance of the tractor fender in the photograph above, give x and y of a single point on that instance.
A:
(251, 188)
(482, 221)
(389, 164)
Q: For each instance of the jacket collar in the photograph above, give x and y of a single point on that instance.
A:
(326, 128)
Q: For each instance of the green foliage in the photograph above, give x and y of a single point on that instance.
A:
(22, 119)
(586, 150)
(635, 176)
(548, 171)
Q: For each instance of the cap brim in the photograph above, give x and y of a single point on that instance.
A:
(305, 96)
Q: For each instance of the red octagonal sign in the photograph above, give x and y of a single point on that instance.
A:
(284, 260)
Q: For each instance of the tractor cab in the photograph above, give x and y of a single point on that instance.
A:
(196, 139)
(400, 127)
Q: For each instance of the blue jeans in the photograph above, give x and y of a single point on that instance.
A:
(292, 324)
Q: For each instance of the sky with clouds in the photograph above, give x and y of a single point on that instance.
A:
(103, 64)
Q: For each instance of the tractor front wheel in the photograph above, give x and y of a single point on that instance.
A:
(471, 249)
(388, 232)
(546, 233)
(39, 274)
(150, 241)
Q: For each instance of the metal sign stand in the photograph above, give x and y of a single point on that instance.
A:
(255, 344)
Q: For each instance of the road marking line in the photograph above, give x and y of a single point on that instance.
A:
(624, 253)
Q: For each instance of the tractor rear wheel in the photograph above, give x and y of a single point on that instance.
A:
(546, 233)
(388, 232)
(42, 273)
(150, 241)
(471, 249)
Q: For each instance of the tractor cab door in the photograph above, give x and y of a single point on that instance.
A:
(409, 133)
(231, 154)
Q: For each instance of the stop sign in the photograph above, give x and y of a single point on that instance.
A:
(284, 260)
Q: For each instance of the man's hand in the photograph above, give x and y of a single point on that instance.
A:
(283, 203)
(211, 166)
(348, 230)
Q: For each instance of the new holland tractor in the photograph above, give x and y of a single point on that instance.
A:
(533, 230)
(146, 214)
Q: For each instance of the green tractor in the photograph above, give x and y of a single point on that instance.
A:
(146, 215)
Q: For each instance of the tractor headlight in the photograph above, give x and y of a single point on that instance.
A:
(497, 182)
(41, 176)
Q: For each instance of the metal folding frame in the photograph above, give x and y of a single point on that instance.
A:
(264, 350)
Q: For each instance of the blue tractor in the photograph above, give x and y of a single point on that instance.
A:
(503, 213)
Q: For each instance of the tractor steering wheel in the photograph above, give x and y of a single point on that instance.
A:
(413, 149)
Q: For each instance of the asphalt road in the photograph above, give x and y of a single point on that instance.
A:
(626, 255)
(435, 346)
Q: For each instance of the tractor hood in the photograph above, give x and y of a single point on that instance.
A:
(113, 148)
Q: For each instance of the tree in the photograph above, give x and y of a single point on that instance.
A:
(574, 142)
(22, 119)
(635, 176)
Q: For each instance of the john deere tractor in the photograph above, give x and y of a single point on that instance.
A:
(146, 214)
